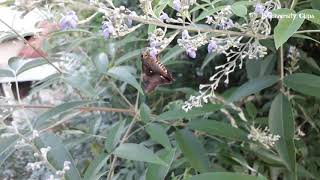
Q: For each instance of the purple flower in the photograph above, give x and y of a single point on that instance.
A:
(69, 21)
(153, 44)
(212, 46)
(259, 8)
(185, 34)
(164, 16)
(176, 5)
(153, 52)
(191, 52)
(107, 29)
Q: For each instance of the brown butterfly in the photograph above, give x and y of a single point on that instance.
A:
(154, 73)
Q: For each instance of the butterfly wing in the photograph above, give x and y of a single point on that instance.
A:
(154, 73)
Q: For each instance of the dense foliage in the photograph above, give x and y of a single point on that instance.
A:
(244, 103)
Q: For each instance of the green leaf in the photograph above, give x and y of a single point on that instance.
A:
(114, 135)
(159, 172)
(128, 56)
(193, 150)
(101, 62)
(58, 154)
(312, 15)
(6, 73)
(7, 147)
(261, 67)
(267, 156)
(92, 172)
(31, 64)
(217, 128)
(137, 152)
(304, 83)
(62, 108)
(305, 37)
(239, 10)
(158, 134)
(287, 26)
(253, 86)
(225, 176)
(194, 112)
(281, 122)
(80, 83)
(171, 54)
(15, 63)
(122, 73)
(315, 4)
(209, 57)
(145, 113)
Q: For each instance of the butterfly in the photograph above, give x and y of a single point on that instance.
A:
(154, 73)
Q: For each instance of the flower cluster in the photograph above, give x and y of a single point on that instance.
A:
(66, 167)
(117, 23)
(236, 48)
(192, 43)
(263, 136)
(69, 21)
(293, 63)
(158, 41)
(37, 165)
(221, 19)
(182, 6)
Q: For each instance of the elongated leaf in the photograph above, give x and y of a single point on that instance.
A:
(137, 152)
(193, 150)
(286, 26)
(121, 73)
(226, 176)
(158, 134)
(305, 37)
(58, 154)
(207, 59)
(260, 68)
(101, 62)
(32, 64)
(217, 128)
(304, 83)
(46, 116)
(92, 172)
(159, 172)
(179, 114)
(239, 10)
(81, 83)
(114, 135)
(6, 73)
(7, 147)
(315, 4)
(128, 56)
(253, 86)
(312, 15)
(281, 123)
(145, 112)
(268, 157)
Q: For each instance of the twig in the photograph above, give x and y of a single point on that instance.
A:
(84, 109)
(123, 140)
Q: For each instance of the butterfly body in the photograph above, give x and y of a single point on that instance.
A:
(154, 73)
